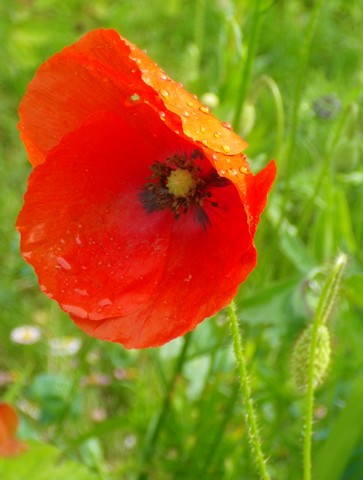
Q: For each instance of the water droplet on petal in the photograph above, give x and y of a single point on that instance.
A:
(228, 160)
(227, 125)
(203, 129)
(63, 263)
(204, 109)
(186, 114)
(104, 303)
(162, 116)
(243, 170)
(221, 172)
(164, 93)
(226, 148)
(217, 134)
(135, 97)
(81, 292)
(74, 310)
(190, 103)
(163, 76)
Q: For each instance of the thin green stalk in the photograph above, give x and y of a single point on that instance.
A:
(249, 410)
(271, 85)
(326, 304)
(286, 160)
(199, 28)
(152, 435)
(300, 78)
(247, 68)
(351, 111)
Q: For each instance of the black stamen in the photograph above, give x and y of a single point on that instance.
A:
(201, 217)
(214, 180)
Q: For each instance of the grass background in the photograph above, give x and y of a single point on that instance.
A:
(96, 410)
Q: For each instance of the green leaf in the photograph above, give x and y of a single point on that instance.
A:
(42, 462)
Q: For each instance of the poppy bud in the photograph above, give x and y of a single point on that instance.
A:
(301, 354)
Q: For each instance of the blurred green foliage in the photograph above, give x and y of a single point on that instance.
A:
(99, 405)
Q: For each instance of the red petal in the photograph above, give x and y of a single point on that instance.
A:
(102, 71)
(94, 74)
(255, 193)
(9, 445)
(125, 275)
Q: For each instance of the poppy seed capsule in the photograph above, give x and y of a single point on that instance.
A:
(301, 354)
(180, 182)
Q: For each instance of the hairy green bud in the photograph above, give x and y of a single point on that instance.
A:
(301, 355)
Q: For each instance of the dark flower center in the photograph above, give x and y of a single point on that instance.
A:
(177, 183)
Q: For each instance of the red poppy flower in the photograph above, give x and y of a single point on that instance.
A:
(140, 214)
(9, 445)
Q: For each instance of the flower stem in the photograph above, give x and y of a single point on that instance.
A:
(249, 410)
(155, 427)
(300, 79)
(247, 68)
(199, 28)
(325, 306)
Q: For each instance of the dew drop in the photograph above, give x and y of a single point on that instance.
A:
(63, 263)
(105, 302)
(228, 160)
(204, 109)
(80, 291)
(190, 103)
(135, 97)
(226, 148)
(186, 114)
(162, 116)
(221, 172)
(163, 76)
(74, 310)
(227, 125)
(233, 171)
(164, 93)
(243, 170)
(203, 129)
(78, 240)
(217, 134)
(214, 156)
